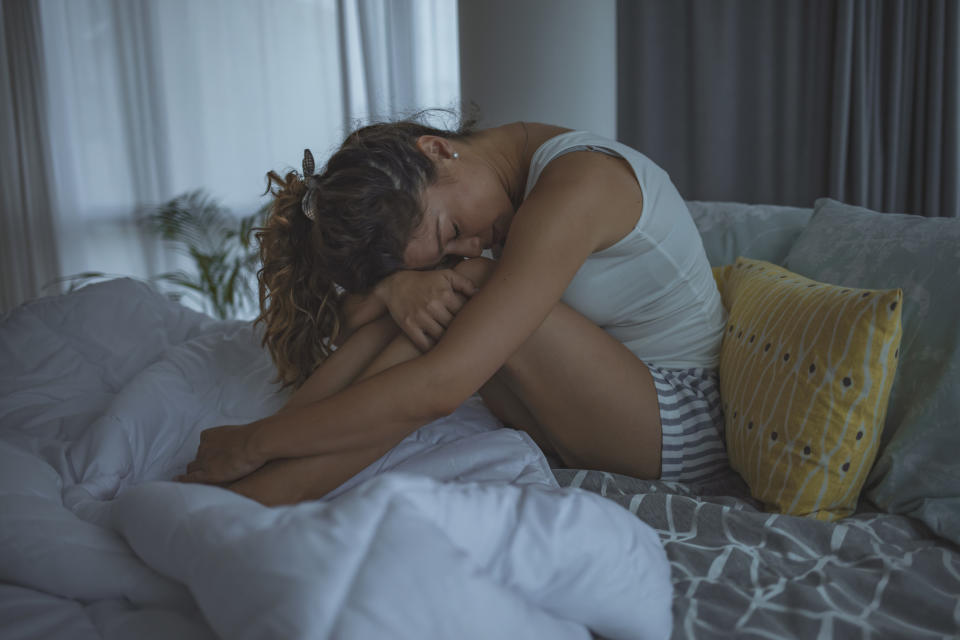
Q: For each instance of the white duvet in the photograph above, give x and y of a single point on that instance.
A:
(459, 532)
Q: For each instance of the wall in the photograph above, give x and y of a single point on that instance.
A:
(542, 60)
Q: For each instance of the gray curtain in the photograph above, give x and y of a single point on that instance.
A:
(28, 255)
(784, 102)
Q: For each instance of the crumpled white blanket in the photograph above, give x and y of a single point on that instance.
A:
(458, 532)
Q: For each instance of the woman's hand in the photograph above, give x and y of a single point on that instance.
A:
(225, 454)
(423, 303)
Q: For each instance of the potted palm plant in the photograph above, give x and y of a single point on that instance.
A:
(224, 257)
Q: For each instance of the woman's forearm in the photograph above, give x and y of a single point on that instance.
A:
(292, 480)
(360, 310)
(288, 480)
(345, 364)
(374, 414)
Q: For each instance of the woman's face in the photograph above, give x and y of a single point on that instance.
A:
(463, 215)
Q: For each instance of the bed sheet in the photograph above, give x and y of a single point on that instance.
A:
(459, 531)
(738, 571)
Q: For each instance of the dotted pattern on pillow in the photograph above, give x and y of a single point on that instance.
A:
(805, 374)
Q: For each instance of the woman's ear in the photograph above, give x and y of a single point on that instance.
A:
(435, 147)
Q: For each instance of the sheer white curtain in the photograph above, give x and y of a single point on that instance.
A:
(147, 99)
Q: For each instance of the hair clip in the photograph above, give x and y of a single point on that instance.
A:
(308, 167)
(308, 164)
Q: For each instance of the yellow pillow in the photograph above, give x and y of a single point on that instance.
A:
(805, 373)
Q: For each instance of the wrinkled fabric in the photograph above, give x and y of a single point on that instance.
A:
(916, 472)
(459, 531)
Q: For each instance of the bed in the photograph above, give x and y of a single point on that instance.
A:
(461, 531)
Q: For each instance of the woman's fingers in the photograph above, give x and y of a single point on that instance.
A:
(436, 324)
(196, 476)
(427, 332)
(442, 315)
(422, 340)
(433, 330)
(424, 303)
(223, 454)
(461, 283)
(417, 331)
(453, 301)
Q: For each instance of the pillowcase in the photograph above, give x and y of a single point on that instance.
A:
(916, 472)
(805, 374)
(758, 231)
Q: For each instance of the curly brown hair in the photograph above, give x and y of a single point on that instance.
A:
(367, 201)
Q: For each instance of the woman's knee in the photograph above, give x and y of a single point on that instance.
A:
(477, 269)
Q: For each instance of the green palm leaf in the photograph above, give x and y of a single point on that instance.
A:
(219, 244)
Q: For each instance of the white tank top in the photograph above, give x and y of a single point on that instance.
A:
(653, 290)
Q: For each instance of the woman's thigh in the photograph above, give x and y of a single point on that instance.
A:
(591, 398)
(594, 401)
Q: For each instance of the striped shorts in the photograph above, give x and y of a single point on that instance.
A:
(691, 418)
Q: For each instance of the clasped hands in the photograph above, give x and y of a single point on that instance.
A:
(225, 454)
(424, 303)
(421, 303)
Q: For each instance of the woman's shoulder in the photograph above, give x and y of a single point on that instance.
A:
(602, 186)
(541, 131)
(556, 154)
(538, 133)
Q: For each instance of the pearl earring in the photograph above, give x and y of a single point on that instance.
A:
(455, 155)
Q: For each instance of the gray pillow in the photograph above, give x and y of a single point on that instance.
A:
(758, 231)
(917, 470)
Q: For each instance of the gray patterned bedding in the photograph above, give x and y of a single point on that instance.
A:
(738, 571)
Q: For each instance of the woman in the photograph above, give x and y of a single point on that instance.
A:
(597, 330)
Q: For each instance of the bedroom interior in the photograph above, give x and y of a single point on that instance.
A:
(817, 145)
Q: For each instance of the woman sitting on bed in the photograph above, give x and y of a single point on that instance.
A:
(597, 329)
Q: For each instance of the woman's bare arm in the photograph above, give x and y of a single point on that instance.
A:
(345, 364)
(360, 310)
(426, 302)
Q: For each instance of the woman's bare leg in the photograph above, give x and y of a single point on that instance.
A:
(511, 411)
(592, 399)
(579, 393)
